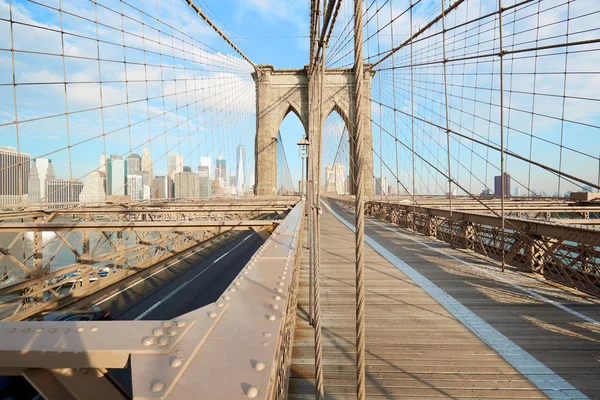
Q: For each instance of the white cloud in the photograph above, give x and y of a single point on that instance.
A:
(179, 75)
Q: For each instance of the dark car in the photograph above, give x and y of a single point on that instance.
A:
(85, 314)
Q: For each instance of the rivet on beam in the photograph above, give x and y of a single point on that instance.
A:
(158, 331)
(157, 386)
(176, 362)
(172, 331)
(252, 392)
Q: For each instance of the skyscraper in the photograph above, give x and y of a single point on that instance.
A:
(381, 186)
(221, 171)
(334, 178)
(175, 166)
(116, 173)
(34, 184)
(187, 185)
(50, 175)
(134, 164)
(206, 162)
(103, 163)
(147, 170)
(93, 189)
(158, 190)
(205, 182)
(240, 159)
(134, 187)
(41, 170)
(63, 191)
(14, 176)
(498, 185)
(252, 181)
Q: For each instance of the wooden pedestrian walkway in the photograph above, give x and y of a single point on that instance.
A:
(422, 343)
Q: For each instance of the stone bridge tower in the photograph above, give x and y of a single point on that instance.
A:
(279, 92)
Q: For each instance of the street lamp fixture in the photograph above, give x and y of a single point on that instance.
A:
(303, 153)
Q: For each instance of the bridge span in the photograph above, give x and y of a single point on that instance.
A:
(234, 322)
(442, 241)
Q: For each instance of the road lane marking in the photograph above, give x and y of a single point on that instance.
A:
(538, 373)
(184, 284)
(151, 275)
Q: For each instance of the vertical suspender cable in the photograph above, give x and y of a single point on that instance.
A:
(447, 108)
(564, 98)
(382, 188)
(502, 173)
(360, 206)
(319, 389)
(311, 239)
(412, 116)
(313, 171)
(394, 95)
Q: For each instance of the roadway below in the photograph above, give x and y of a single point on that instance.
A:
(181, 286)
(177, 286)
(186, 284)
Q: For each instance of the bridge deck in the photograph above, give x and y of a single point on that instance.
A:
(418, 346)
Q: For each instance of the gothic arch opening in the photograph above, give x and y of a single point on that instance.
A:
(336, 109)
(289, 165)
(336, 168)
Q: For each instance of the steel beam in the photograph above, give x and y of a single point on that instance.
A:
(146, 226)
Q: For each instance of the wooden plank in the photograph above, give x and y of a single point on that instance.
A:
(410, 337)
(415, 347)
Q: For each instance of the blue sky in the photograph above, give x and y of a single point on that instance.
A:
(275, 32)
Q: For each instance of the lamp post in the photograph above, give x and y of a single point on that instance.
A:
(303, 153)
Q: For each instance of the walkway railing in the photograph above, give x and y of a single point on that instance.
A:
(562, 253)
